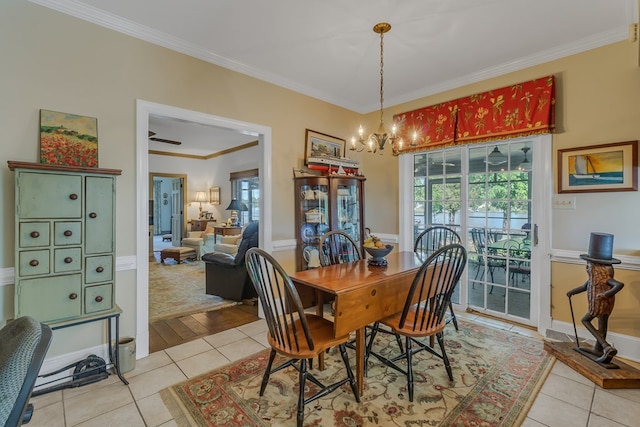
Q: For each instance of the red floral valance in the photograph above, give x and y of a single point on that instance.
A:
(432, 126)
(517, 110)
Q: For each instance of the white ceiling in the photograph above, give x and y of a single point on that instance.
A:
(327, 48)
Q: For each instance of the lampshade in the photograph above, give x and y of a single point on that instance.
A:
(235, 205)
(201, 197)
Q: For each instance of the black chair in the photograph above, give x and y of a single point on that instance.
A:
(429, 241)
(337, 247)
(297, 335)
(25, 342)
(226, 275)
(425, 308)
(480, 245)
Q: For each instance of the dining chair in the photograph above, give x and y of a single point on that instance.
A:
(425, 308)
(297, 335)
(337, 247)
(432, 239)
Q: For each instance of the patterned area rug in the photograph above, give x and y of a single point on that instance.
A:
(496, 377)
(179, 290)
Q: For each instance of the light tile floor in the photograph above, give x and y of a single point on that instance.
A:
(567, 399)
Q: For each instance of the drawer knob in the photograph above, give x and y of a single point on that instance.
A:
(99, 298)
(99, 269)
(73, 196)
(34, 234)
(67, 233)
(68, 260)
(34, 263)
(93, 215)
(73, 296)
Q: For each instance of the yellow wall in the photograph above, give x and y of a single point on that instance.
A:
(597, 102)
(57, 62)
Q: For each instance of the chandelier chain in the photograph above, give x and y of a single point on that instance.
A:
(381, 75)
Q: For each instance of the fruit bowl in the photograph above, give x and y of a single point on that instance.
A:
(378, 254)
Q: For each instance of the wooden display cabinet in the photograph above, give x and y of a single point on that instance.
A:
(323, 203)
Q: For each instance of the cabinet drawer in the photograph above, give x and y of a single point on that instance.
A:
(67, 259)
(33, 263)
(98, 269)
(67, 233)
(99, 215)
(50, 298)
(46, 195)
(34, 234)
(98, 298)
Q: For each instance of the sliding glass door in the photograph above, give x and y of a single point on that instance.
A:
(486, 193)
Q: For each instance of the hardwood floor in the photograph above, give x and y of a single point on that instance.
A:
(171, 332)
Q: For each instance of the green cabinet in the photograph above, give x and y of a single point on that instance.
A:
(64, 241)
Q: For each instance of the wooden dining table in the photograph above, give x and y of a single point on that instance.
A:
(363, 294)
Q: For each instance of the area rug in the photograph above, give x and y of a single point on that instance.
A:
(497, 375)
(179, 290)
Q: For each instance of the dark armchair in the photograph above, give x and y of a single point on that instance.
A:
(226, 275)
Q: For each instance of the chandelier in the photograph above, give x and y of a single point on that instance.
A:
(376, 141)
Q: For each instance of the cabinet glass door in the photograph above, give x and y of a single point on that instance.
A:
(348, 209)
(314, 200)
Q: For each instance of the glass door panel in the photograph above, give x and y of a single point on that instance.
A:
(483, 192)
(348, 209)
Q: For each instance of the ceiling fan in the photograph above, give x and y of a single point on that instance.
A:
(168, 141)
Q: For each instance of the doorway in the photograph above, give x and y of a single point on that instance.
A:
(143, 110)
(167, 207)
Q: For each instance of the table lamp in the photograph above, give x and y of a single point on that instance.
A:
(234, 207)
(201, 196)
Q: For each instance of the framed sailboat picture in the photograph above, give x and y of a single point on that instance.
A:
(597, 168)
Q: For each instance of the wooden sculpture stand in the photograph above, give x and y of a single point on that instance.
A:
(624, 377)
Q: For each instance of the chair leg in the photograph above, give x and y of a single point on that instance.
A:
(267, 372)
(302, 379)
(352, 379)
(453, 316)
(409, 369)
(445, 359)
(367, 350)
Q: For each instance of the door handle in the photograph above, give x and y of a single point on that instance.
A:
(535, 234)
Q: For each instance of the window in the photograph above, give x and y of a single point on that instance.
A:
(245, 187)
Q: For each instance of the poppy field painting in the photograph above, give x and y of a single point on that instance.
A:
(68, 139)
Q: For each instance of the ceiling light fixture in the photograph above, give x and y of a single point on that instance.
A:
(525, 165)
(496, 157)
(377, 140)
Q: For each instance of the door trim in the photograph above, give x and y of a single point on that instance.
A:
(143, 110)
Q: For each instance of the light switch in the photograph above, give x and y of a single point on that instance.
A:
(564, 202)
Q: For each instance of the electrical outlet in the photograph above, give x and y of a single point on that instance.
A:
(564, 202)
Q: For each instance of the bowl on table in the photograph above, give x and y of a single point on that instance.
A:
(378, 255)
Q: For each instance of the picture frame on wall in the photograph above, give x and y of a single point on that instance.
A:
(68, 139)
(598, 168)
(214, 195)
(319, 144)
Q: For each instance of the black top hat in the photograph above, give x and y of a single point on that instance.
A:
(600, 249)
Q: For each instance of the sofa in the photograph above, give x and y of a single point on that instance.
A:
(202, 241)
(226, 275)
